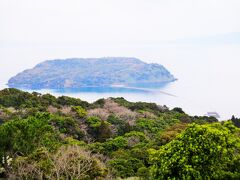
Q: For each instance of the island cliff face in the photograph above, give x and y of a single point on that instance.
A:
(90, 72)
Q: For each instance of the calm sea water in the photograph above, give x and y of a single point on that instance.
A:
(208, 75)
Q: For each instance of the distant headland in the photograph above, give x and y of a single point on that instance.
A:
(91, 72)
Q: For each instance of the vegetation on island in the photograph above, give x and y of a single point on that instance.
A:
(45, 137)
(77, 73)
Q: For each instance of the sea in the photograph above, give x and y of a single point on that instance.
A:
(208, 73)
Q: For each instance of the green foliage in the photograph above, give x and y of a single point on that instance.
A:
(98, 104)
(99, 129)
(153, 125)
(115, 144)
(235, 121)
(200, 152)
(170, 133)
(121, 125)
(126, 167)
(18, 99)
(136, 138)
(104, 132)
(48, 99)
(143, 172)
(204, 119)
(72, 141)
(179, 110)
(67, 125)
(140, 135)
(69, 101)
(25, 135)
(94, 122)
(151, 107)
(123, 102)
(141, 153)
(80, 111)
(155, 143)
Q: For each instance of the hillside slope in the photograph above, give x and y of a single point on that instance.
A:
(47, 137)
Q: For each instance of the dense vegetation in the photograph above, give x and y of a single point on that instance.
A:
(44, 137)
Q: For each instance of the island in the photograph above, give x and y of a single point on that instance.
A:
(91, 72)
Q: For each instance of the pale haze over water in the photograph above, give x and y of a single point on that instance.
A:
(201, 49)
(208, 77)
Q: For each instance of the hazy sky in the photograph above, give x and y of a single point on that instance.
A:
(79, 21)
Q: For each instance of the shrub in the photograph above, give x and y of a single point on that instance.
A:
(200, 152)
(99, 129)
(67, 125)
(126, 167)
(94, 122)
(115, 144)
(143, 172)
(179, 110)
(80, 111)
(68, 162)
(24, 136)
(69, 101)
(121, 125)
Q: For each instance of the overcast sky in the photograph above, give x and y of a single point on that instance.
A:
(114, 21)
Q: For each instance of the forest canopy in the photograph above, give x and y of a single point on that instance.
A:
(45, 137)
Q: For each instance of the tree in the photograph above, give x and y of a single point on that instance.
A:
(65, 100)
(81, 112)
(25, 135)
(126, 167)
(200, 152)
(68, 162)
(170, 133)
(235, 121)
(103, 132)
(179, 110)
(99, 129)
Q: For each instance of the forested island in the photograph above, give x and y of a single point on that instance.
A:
(48, 137)
(91, 72)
